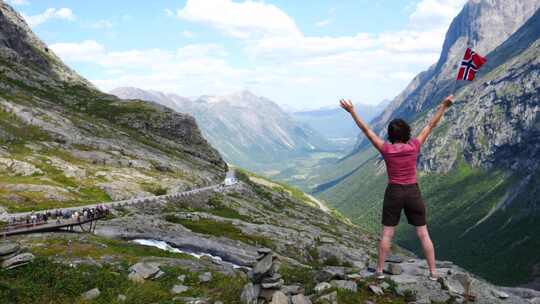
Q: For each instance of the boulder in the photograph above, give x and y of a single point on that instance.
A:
(250, 293)
(321, 287)
(394, 259)
(181, 278)
(18, 260)
(292, 289)
(121, 298)
(272, 279)
(394, 269)
(273, 285)
(279, 298)
(330, 272)
(91, 294)
(176, 289)
(300, 299)
(205, 277)
(142, 271)
(499, 294)
(8, 249)
(376, 290)
(264, 250)
(328, 298)
(262, 267)
(346, 285)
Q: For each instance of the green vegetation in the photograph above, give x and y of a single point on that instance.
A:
(45, 281)
(224, 229)
(299, 275)
(96, 247)
(155, 189)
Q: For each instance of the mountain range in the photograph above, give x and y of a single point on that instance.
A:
(249, 131)
(479, 170)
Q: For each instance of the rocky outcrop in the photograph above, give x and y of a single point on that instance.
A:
(18, 43)
(11, 256)
(483, 25)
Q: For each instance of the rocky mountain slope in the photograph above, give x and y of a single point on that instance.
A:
(479, 169)
(243, 244)
(249, 131)
(63, 142)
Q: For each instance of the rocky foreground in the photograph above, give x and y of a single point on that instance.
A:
(245, 244)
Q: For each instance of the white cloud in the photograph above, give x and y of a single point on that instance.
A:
(188, 34)
(242, 20)
(168, 12)
(102, 24)
(18, 2)
(324, 22)
(48, 14)
(276, 55)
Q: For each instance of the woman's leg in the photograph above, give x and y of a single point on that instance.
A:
(384, 246)
(427, 246)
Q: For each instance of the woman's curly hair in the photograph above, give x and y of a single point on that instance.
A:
(399, 131)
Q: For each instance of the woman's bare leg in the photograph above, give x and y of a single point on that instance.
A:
(384, 246)
(427, 246)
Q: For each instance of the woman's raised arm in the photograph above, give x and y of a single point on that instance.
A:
(445, 104)
(375, 140)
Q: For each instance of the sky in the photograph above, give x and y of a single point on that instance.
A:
(302, 54)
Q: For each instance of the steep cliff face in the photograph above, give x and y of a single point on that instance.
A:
(479, 169)
(64, 142)
(482, 25)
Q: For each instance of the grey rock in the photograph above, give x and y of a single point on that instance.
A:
(91, 294)
(394, 269)
(142, 271)
(279, 298)
(272, 279)
(181, 278)
(330, 272)
(262, 267)
(250, 293)
(8, 248)
(264, 250)
(385, 285)
(273, 285)
(205, 277)
(394, 259)
(300, 299)
(18, 260)
(346, 285)
(176, 289)
(330, 298)
(404, 279)
(321, 287)
(292, 289)
(121, 298)
(499, 294)
(376, 290)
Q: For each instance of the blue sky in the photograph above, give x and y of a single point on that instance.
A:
(304, 54)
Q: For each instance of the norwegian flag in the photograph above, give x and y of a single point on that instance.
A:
(470, 65)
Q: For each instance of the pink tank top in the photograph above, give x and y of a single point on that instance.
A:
(400, 161)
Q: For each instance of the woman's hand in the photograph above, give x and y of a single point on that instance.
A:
(347, 105)
(448, 101)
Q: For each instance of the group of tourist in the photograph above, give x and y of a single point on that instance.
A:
(59, 216)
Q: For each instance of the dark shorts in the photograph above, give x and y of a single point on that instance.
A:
(403, 197)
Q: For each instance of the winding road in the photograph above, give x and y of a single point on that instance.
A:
(229, 181)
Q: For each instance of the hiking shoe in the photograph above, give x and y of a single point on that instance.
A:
(379, 275)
